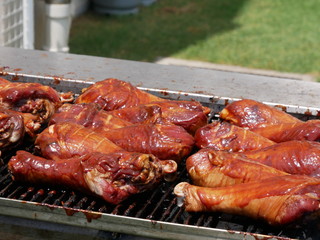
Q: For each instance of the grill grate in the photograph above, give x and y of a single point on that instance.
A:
(159, 204)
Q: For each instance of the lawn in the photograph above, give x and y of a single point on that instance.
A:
(280, 35)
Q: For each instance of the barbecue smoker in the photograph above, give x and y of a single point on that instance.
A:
(153, 214)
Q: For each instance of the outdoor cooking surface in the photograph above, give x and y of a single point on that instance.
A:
(159, 204)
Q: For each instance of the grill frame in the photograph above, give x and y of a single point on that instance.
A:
(124, 224)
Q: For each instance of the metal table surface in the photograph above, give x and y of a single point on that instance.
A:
(150, 75)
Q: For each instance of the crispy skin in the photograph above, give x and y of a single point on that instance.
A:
(67, 140)
(34, 101)
(112, 94)
(12, 129)
(113, 177)
(277, 200)
(294, 157)
(225, 136)
(143, 113)
(309, 130)
(88, 115)
(252, 114)
(190, 115)
(211, 168)
(165, 141)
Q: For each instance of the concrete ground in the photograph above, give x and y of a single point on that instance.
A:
(199, 64)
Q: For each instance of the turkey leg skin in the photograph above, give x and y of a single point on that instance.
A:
(253, 114)
(211, 168)
(113, 177)
(228, 137)
(277, 200)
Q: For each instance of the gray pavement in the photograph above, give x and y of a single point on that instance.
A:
(229, 68)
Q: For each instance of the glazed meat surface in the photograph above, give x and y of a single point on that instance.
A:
(88, 115)
(143, 113)
(113, 177)
(309, 130)
(225, 136)
(252, 114)
(112, 94)
(12, 129)
(34, 101)
(277, 200)
(211, 168)
(294, 157)
(165, 141)
(67, 140)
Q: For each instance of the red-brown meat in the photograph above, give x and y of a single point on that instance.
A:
(225, 136)
(113, 177)
(252, 114)
(277, 200)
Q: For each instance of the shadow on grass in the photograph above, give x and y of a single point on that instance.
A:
(162, 29)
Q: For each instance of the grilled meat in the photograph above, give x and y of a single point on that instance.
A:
(165, 141)
(225, 136)
(112, 94)
(211, 168)
(294, 157)
(252, 114)
(12, 129)
(34, 101)
(113, 177)
(88, 115)
(67, 140)
(277, 200)
(309, 130)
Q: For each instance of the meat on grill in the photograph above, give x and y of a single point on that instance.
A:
(113, 177)
(67, 140)
(225, 136)
(253, 114)
(12, 129)
(277, 200)
(143, 113)
(34, 101)
(88, 115)
(294, 157)
(309, 130)
(165, 141)
(212, 168)
(112, 94)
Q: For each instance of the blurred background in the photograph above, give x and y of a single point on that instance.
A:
(281, 35)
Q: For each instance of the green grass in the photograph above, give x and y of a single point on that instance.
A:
(282, 35)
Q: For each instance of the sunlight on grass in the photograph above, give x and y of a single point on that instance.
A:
(277, 35)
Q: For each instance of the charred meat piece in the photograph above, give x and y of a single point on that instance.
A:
(277, 200)
(252, 114)
(190, 115)
(225, 136)
(12, 129)
(143, 113)
(211, 168)
(88, 115)
(67, 140)
(113, 177)
(294, 157)
(111, 94)
(34, 101)
(165, 141)
(309, 130)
